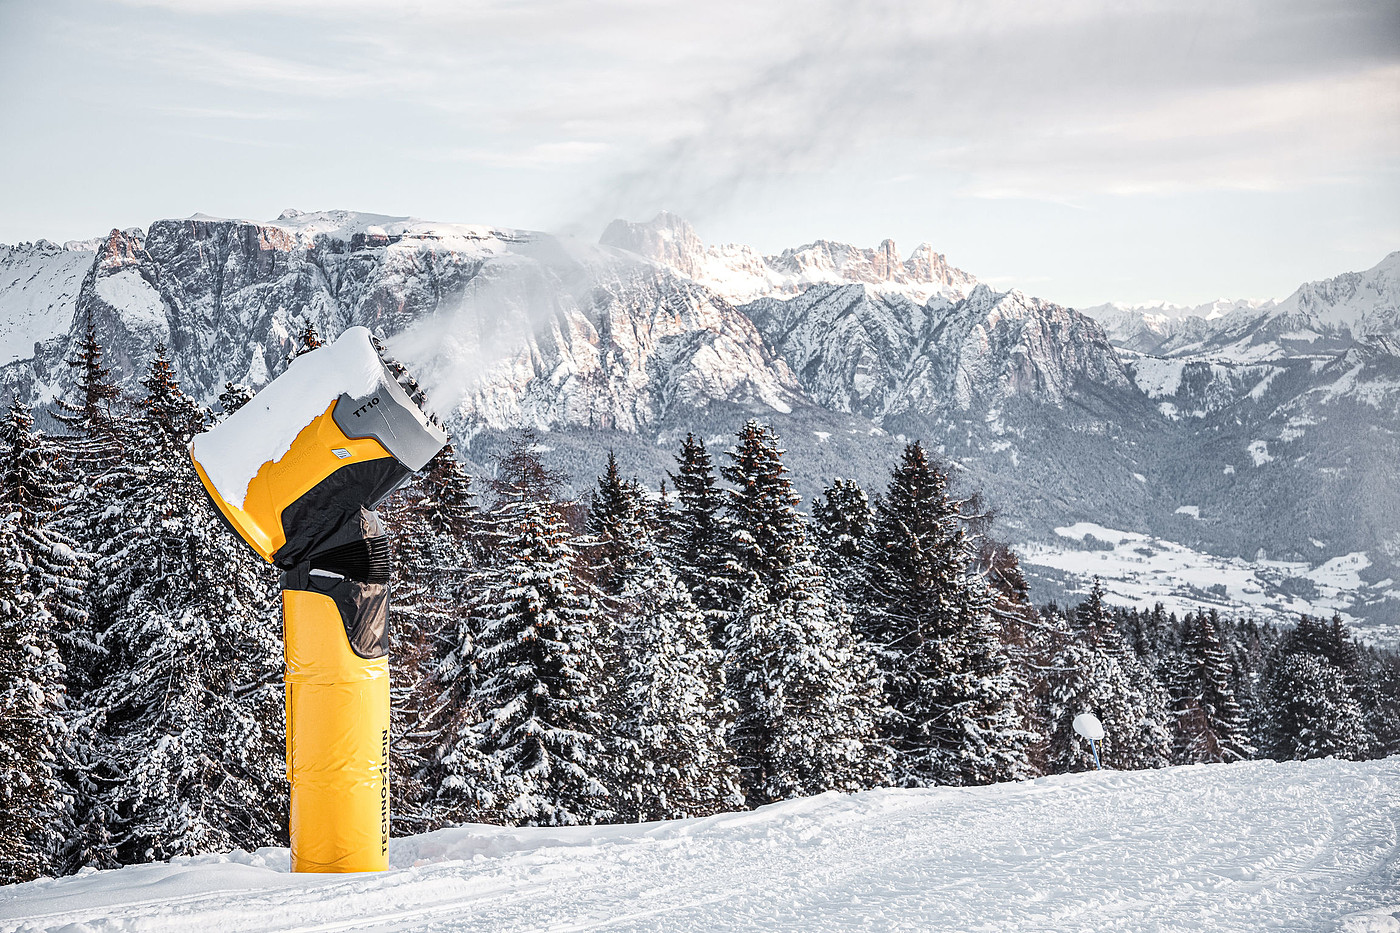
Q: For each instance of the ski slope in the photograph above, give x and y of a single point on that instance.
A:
(1251, 846)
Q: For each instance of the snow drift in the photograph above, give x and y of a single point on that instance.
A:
(1250, 846)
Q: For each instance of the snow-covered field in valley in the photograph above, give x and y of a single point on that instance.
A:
(1140, 570)
(1252, 846)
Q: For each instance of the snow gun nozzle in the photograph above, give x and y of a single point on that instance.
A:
(333, 435)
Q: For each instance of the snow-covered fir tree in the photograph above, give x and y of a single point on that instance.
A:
(96, 422)
(1208, 725)
(535, 750)
(92, 412)
(1309, 706)
(1095, 674)
(672, 757)
(698, 540)
(927, 615)
(307, 340)
(841, 517)
(1310, 710)
(675, 761)
(234, 397)
(33, 731)
(1329, 640)
(31, 493)
(1380, 705)
(181, 734)
(804, 693)
(432, 522)
(616, 520)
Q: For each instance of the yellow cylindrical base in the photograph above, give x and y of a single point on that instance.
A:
(337, 742)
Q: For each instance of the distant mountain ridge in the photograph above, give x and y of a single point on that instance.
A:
(740, 274)
(1319, 317)
(1251, 430)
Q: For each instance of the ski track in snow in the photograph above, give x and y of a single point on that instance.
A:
(1250, 846)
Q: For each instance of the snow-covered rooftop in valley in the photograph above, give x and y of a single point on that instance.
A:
(1249, 846)
(263, 430)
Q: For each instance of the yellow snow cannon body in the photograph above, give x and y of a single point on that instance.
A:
(297, 473)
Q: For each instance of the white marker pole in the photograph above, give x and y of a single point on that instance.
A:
(1088, 725)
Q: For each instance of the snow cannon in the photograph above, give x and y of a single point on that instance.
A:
(297, 473)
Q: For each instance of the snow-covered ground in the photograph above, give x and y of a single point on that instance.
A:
(1140, 570)
(1251, 846)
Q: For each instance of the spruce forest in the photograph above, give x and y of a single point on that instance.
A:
(661, 647)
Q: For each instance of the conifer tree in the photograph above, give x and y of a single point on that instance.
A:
(804, 693)
(1310, 707)
(1208, 723)
(234, 397)
(182, 731)
(32, 728)
(535, 754)
(306, 341)
(841, 518)
(1095, 674)
(928, 617)
(32, 492)
(674, 761)
(92, 413)
(616, 522)
(672, 758)
(1380, 704)
(663, 519)
(1328, 640)
(433, 521)
(698, 539)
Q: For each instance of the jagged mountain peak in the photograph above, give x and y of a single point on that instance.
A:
(741, 273)
(666, 239)
(1360, 303)
(1318, 318)
(121, 248)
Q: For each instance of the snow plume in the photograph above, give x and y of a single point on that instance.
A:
(479, 351)
(1055, 100)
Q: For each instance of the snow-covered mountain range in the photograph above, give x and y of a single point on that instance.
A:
(1243, 431)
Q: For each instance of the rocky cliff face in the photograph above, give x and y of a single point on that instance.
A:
(883, 355)
(741, 274)
(39, 285)
(504, 328)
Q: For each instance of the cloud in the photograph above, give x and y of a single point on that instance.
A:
(692, 107)
(544, 155)
(1049, 101)
(1260, 137)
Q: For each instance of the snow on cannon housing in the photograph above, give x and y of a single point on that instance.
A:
(297, 473)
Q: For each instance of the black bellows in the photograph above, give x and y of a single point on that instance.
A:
(365, 560)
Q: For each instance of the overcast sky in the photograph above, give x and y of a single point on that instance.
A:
(1082, 151)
